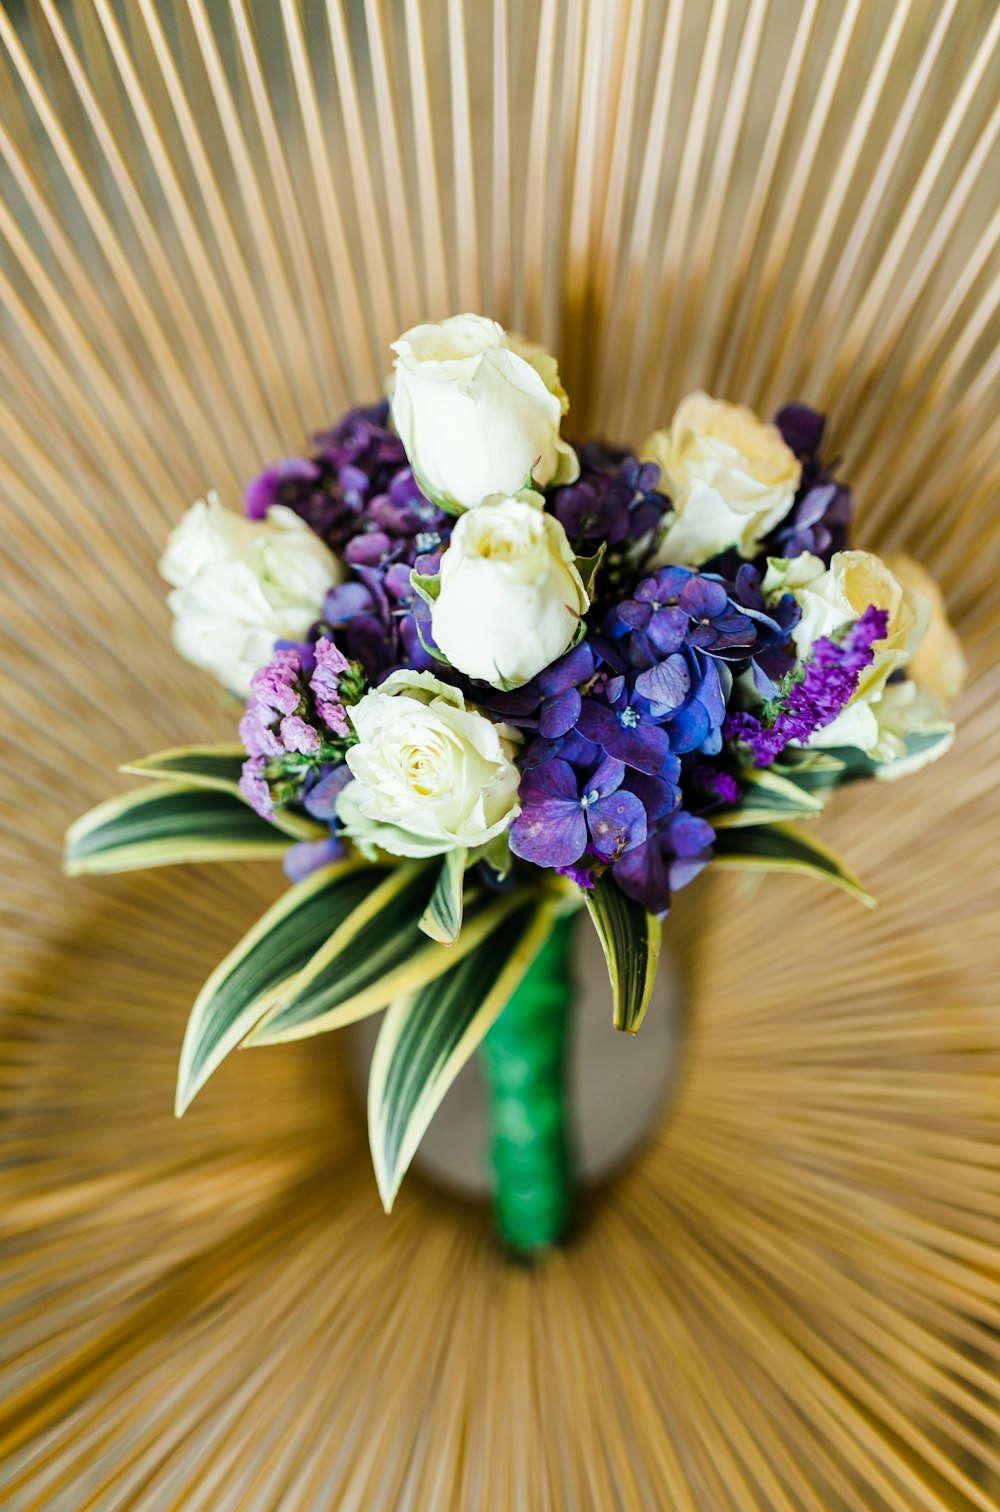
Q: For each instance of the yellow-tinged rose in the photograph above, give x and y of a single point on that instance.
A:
(730, 476)
(938, 664)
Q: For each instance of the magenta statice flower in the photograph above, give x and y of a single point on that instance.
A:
(325, 686)
(295, 721)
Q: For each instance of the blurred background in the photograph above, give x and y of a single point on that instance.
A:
(213, 219)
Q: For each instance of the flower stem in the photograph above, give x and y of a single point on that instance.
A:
(523, 1059)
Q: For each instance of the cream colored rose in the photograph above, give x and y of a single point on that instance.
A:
(510, 599)
(938, 662)
(475, 416)
(430, 774)
(730, 477)
(240, 585)
(881, 714)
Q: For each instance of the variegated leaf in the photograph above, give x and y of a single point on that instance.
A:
(630, 939)
(781, 847)
(375, 957)
(442, 918)
(167, 823)
(279, 944)
(426, 1038)
(217, 767)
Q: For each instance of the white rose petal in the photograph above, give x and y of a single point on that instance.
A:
(731, 479)
(475, 416)
(511, 597)
(240, 585)
(431, 775)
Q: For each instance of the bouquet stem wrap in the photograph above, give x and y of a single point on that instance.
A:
(524, 1063)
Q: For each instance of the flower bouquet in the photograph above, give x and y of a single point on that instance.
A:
(493, 682)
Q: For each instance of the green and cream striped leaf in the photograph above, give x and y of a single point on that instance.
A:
(442, 918)
(377, 956)
(782, 848)
(167, 823)
(279, 944)
(630, 939)
(768, 798)
(427, 1037)
(217, 767)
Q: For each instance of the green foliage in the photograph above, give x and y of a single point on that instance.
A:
(427, 1037)
(768, 798)
(167, 823)
(783, 848)
(278, 946)
(442, 918)
(630, 939)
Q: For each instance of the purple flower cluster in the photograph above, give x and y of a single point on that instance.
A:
(821, 689)
(358, 492)
(613, 724)
(821, 515)
(614, 502)
(295, 728)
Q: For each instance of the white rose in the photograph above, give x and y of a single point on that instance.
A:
(430, 774)
(510, 597)
(240, 585)
(731, 478)
(475, 416)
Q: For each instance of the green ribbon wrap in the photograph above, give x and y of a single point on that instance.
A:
(524, 1063)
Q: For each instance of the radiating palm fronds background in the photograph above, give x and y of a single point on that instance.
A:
(213, 219)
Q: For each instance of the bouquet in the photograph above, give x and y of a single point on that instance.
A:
(494, 682)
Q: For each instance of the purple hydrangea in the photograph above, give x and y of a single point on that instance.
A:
(614, 501)
(679, 846)
(357, 491)
(565, 812)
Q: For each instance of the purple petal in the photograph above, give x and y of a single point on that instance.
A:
(321, 799)
(666, 685)
(688, 835)
(703, 599)
(555, 780)
(560, 714)
(616, 824)
(550, 832)
(302, 860)
(641, 875)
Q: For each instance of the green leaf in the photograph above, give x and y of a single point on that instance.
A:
(279, 944)
(813, 771)
(587, 568)
(210, 766)
(426, 584)
(217, 767)
(426, 1038)
(376, 955)
(630, 939)
(767, 799)
(167, 823)
(781, 847)
(442, 918)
